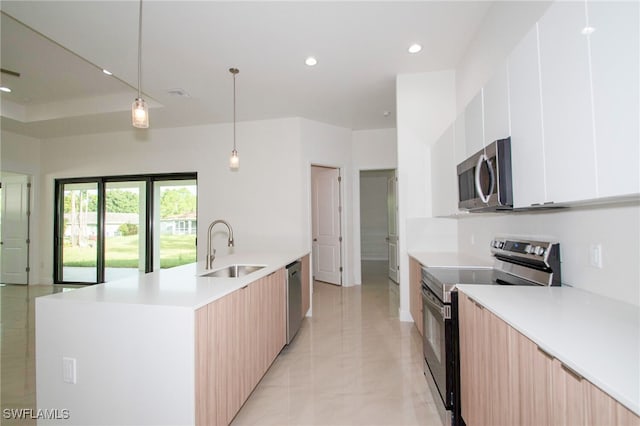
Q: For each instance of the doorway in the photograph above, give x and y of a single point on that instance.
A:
(326, 220)
(15, 205)
(378, 221)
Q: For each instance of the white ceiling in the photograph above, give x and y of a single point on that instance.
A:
(360, 47)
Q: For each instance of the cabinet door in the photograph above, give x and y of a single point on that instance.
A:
(615, 59)
(474, 126)
(566, 101)
(460, 144)
(415, 293)
(534, 375)
(474, 362)
(306, 286)
(444, 176)
(527, 142)
(569, 396)
(496, 106)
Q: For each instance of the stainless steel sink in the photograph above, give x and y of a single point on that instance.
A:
(233, 271)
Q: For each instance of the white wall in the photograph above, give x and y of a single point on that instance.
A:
(264, 200)
(372, 150)
(616, 228)
(21, 154)
(425, 107)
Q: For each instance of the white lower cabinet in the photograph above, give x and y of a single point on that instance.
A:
(507, 380)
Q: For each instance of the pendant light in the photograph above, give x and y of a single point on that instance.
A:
(139, 110)
(234, 161)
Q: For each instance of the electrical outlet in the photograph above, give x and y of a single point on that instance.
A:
(595, 255)
(69, 370)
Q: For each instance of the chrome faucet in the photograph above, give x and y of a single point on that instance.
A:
(212, 255)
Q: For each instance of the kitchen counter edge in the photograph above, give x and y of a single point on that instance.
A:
(181, 286)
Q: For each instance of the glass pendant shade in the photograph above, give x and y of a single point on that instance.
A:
(140, 114)
(234, 161)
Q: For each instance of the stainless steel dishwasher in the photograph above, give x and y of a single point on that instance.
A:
(294, 299)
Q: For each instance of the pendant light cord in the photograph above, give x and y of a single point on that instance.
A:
(139, 48)
(234, 71)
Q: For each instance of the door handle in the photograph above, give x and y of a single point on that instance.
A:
(315, 240)
(387, 239)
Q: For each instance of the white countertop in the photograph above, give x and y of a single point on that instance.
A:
(181, 286)
(596, 336)
(450, 260)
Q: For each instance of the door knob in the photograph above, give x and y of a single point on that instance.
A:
(315, 240)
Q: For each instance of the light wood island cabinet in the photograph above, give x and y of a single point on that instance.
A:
(415, 293)
(237, 339)
(506, 379)
(306, 286)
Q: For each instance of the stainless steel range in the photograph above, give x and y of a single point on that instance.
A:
(516, 262)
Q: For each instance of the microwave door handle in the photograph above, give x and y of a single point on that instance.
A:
(484, 197)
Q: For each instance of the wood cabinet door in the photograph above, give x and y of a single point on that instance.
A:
(415, 293)
(473, 363)
(306, 286)
(534, 383)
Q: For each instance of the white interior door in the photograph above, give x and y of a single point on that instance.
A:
(326, 245)
(392, 215)
(14, 248)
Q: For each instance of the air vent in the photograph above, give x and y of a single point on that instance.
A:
(181, 93)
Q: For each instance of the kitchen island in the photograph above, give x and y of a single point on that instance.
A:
(149, 349)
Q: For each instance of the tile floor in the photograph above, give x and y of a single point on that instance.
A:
(352, 363)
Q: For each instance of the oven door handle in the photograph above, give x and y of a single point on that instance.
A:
(445, 310)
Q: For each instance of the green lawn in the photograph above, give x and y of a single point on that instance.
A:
(122, 252)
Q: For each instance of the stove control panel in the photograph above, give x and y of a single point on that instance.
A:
(528, 249)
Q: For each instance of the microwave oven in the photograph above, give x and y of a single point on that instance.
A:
(484, 179)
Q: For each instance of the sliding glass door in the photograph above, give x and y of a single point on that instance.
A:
(78, 233)
(124, 229)
(108, 228)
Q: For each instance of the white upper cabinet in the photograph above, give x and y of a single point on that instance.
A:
(495, 95)
(615, 59)
(444, 177)
(527, 143)
(566, 104)
(460, 143)
(474, 126)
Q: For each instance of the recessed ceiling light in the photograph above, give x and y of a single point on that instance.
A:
(107, 72)
(587, 30)
(415, 48)
(5, 89)
(311, 61)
